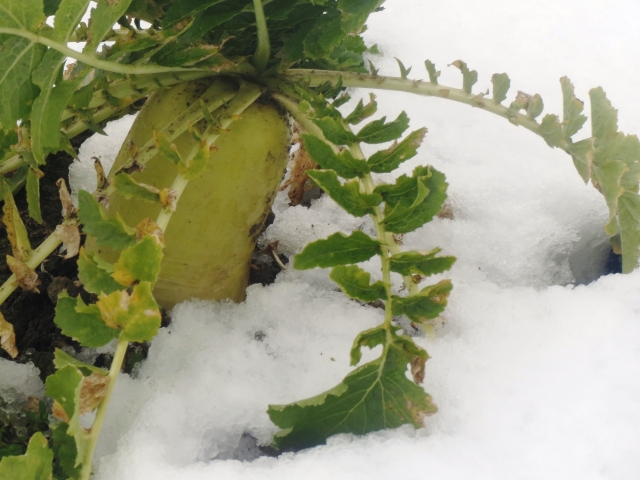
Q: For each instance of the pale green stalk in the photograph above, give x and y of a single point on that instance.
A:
(114, 372)
(263, 50)
(418, 87)
(92, 60)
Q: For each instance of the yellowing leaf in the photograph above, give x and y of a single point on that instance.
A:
(70, 236)
(7, 337)
(27, 278)
(16, 230)
(93, 390)
(149, 227)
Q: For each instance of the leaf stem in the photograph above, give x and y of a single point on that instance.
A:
(92, 60)
(114, 372)
(418, 87)
(263, 50)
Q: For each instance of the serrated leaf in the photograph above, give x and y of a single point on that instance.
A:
(362, 111)
(535, 107)
(373, 397)
(109, 231)
(431, 70)
(334, 131)
(337, 249)
(16, 231)
(137, 314)
(469, 77)
(18, 58)
(65, 453)
(343, 163)
(427, 304)
(582, 155)
(348, 196)
(355, 282)
(64, 387)
(82, 322)
(501, 84)
(379, 132)
(129, 188)
(608, 175)
(95, 274)
(187, 8)
(354, 14)
(103, 17)
(404, 71)
(139, 262)
(369, 338)
(413, 201)
(604, 118)
(551, 131)
(61, 359)
(422, 263)
(33, 195)
(35, 464)
(572, 119)
(388, 160)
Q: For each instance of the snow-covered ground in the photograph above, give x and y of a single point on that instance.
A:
(535, 378)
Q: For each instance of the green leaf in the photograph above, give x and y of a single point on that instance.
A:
(167, 149)
(102, 20)
(33, 196)
(33, 465)
(404, 71)
(355, 13)
(388, 160)
(343, 163)
(431, 70)
(582, 155)
(629, 217)
(413, 201)
(129, 188)
(197, 164)
(421, 263)
(355, 282)
(369, 338)
(186, 8)
(82, 322)
(109, 231)
(604, 118)
(608, 175)
(139, 262)
(64, 387)
(427, 304)
(334, 131)
(348, 196)
(337, 249)
(469, 77)
(137, 314)
(362, 111)
(501, 84)
(379, 132)
(61, 359)
(572, 119)
(18, 58)
(535, 107)
(551, 131)
(373, 397)
(95, 274)
(65, 453)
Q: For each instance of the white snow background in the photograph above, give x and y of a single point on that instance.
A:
(535, 378)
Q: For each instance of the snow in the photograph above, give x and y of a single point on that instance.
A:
(536, 372)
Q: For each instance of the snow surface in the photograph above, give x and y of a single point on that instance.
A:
(534, 377)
